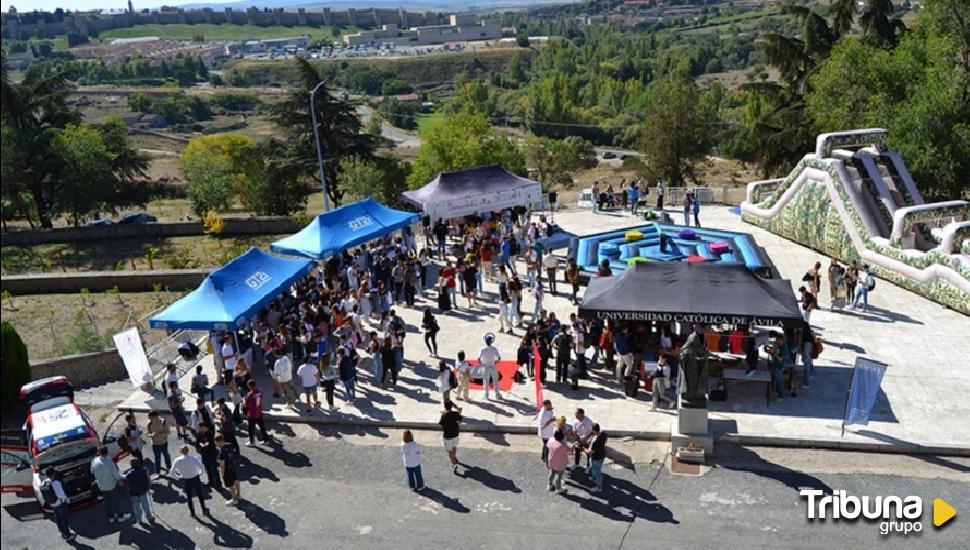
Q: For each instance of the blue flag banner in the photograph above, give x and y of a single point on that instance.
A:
(866, 378)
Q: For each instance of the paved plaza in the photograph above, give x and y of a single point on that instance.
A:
(922, 407)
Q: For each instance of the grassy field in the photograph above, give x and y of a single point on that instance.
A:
(426, 121)
(213, 32)
(109, 255)
(48, 323)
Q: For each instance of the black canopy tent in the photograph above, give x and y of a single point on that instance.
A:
(473, 191)
(692, 292)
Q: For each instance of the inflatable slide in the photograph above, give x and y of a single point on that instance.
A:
(854, 200)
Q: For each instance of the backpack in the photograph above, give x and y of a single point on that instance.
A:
(514, 247)
(870, 282)
(452, 379)
(47, 492)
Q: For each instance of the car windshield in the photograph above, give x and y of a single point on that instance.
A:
(62, 454)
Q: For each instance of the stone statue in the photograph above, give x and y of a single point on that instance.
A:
(692, 383)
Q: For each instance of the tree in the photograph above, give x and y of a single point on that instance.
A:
(880, 26)
(33, 112)
(555, 160)
(220, 166)
(463, 140)
(338, 124)
(918, 91)
(399, 113)
(676, 130)
(360, 178)
(15, 364)
(382, 178)
(86, 182)
(283, 191)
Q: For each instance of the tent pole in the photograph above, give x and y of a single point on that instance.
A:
(316, 136)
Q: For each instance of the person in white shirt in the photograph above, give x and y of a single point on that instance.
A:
(464, 376)
(411, 452)
(283, 376)
(550, 263)
(309, 379)
(171, 375)
(582, 430)
(229, 359)
(489, 357)
(189, 468)
(547, 427)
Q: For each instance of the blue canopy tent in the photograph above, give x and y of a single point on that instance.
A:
(229, 296)
(348, 226)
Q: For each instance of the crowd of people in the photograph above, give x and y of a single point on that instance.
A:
(849, 286)
(582, 438)
(344, 312)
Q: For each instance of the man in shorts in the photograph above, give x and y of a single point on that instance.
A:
(309, 378)
(488, 358)
(450, 427)
(229, 467)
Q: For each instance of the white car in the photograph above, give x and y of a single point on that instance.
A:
(56, 433)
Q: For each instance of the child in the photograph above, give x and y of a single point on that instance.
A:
(464, 376)
(175, 400)
(411, 452)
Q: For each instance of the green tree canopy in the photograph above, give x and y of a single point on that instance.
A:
(463, 140)
(919, 91)
(555, 160)
(676, 131)
(220, 166)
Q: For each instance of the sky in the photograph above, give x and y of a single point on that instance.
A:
(50, 5)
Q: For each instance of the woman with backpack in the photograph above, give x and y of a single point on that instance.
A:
(447, 381)
(431, 328)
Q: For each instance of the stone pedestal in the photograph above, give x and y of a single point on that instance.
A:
(691, 425)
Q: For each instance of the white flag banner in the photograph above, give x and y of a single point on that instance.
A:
(129, 347)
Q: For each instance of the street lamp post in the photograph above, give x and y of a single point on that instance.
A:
(316, 136)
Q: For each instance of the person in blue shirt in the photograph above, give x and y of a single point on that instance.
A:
(621, 344)
(634, 194)
(697, 209)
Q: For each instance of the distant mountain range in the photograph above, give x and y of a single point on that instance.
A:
(413, 5)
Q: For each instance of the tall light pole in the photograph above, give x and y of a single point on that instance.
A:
(316, 136)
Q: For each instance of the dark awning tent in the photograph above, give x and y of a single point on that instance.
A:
(348, 226)
(231, 295)
(474, 191)
(692, 292)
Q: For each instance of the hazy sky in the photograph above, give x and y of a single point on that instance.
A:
(50, 5)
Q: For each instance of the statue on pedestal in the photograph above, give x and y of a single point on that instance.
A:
(692, 383)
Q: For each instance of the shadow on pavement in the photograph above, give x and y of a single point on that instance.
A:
(223, 535)
(263, 518)
(741, 459)
(445, 501)
(932, 459)
(488, 479)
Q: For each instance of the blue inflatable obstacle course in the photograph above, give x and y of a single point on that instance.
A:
(655, 242)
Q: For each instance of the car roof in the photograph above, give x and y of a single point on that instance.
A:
(56, 420)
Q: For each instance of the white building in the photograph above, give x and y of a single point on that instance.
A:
(463, 28)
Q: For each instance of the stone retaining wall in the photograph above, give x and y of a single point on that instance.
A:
(83, 370)
(99, 281)
(234, 226)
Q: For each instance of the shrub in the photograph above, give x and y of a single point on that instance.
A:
(15, 367)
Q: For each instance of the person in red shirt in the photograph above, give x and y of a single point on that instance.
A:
(485, 253)
(736, 340)
(447, 282)
(254, 414)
